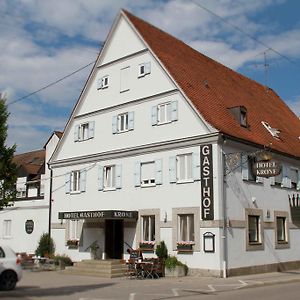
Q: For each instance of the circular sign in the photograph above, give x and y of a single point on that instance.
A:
(29, 226)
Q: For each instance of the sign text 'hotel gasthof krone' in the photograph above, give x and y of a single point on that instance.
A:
(99, 214)
(207, 191)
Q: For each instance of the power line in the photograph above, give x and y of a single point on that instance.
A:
(246, 33)
(50, 84)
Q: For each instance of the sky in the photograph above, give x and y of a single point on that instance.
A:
(42, 41)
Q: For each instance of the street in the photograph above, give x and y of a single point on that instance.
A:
(56, 286)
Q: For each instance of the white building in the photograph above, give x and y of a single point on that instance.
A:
(159, 147)
(22, 225)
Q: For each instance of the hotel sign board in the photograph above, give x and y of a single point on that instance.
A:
(266, 168)
(98, 214)
(207, 191)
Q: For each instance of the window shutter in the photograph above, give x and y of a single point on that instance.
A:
(68, 182)
(259, 179)
(272, 180)
(115, 124)
(91, 129)
(131, 120)
(196, 166)
(137, 174)
(174, 115)
(76, 133)
(172, 169)
(82, 180)
(99, 83)
(148, 67)
(158, 171)
(154, 115)
(80, 231)
(118, 176)
(245, 170)
(100, 178)
(286, 181)
(298, 181)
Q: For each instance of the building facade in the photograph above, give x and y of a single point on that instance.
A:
(161, 146)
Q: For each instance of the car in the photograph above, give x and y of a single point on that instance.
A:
(10, 268)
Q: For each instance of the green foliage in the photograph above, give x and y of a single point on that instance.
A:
(46, 246)
(8, 170)
(171, 262)
(162, 250)
(65, 260)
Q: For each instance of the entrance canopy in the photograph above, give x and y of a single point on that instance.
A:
(99, 214)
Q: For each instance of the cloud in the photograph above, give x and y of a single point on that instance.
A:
(295, 106)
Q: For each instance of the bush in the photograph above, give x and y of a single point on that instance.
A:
(172, 261)
(46, 246)
(63, 259)
(162, 250)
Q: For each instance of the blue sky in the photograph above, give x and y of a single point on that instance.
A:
(44, 40)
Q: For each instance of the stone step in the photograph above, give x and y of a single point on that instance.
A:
(97, 270)
(93, 274)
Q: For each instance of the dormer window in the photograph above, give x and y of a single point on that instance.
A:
(240, 115)
(274, 131)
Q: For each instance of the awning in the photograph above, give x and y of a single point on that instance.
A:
(99, 214)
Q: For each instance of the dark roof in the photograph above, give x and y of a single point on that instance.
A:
(30, 163)
(213, 88)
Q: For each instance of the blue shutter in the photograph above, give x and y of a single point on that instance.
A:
(82, 180)
(244, 164)
(154, 115)
(158, 172)
(118, 176)
(196, 166)
(272, 180)
(137, 174)
(91, 129)
(100, 178)
(172, 169)
(68, 182)
(286, 181)
(115, 124)
(174, 114)
(259, 179)
(148, 67)
(298, 180)
(99, 83)
(131, 120)
(76, 133)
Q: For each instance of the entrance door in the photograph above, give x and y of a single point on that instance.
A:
(114, 238)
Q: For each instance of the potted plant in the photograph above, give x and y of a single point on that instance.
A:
(185, 246)
(162, 254)
(94, 247)
(175, 268)
(73, 243)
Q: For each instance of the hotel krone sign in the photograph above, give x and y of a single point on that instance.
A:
(98, 214)
(266, 168)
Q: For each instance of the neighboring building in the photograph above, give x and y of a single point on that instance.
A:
(22, 224)
(160, 146)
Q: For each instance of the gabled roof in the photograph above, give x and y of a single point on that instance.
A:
(213, 88)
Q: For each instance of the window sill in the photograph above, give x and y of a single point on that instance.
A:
(148, 185)
(75, 192)
(185, 181)
(109, 189)
(163, 123)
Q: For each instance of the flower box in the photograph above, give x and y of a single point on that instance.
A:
(72, 244)
(147, 246)
(185, 246)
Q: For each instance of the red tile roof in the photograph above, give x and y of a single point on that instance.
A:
(225, 88)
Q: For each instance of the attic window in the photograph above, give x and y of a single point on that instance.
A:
(274, 132)
(240, 115)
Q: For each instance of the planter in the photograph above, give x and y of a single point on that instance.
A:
(73, 246)
(178, 271)
(185, 247)
(147, 247)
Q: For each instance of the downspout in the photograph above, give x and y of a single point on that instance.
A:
(50, 201)
(224, 210)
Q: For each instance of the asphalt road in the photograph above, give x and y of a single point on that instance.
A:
(58, 286)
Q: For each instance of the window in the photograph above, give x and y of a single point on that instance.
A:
(109, 177)
(164, 113)
(247, 169)
(125, 80)
(103, 82)
(186, 231)
(74, 230)
(84, 131)
(240, 115)
(148, 173)
(144, 69)
(253, 229)
(295, 178)
(7, 229)
(148, 228)
(123, 122)
(184, 167)
(21, 194)
(76, 181)
(281, 230)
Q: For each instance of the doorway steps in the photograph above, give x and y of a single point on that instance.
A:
(98, 268)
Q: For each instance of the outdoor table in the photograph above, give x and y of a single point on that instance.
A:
(144, 269)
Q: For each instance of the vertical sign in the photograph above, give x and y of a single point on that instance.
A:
(207, 191)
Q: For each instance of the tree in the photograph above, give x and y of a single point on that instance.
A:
(8, 170)
(46, 246)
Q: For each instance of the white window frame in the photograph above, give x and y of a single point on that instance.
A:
(7, 226)
(167, 115)
(186, 220)
(75, 181)
(109, 177)
(123, 122)
(144, 69)
(150, 181)
(188, 174)
(148, 228)
(74, 233)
